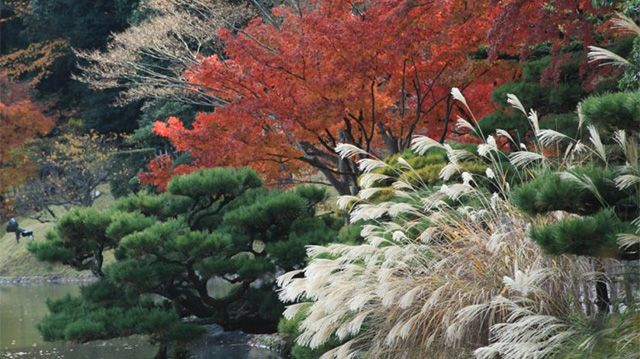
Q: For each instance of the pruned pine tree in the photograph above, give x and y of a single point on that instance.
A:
(599, 198)
(209, 248)
(600, 193)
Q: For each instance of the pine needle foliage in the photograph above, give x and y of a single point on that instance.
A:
(174, 249)
(599, 179)
(617, 111)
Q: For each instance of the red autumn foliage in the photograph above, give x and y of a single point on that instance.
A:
(371, 74)
(520, 25)
(161, 170)
(20, 121)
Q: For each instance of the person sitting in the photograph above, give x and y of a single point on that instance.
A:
(13, 227)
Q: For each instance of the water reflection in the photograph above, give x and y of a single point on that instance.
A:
(21, 307)
(130, 348)
(232, 352)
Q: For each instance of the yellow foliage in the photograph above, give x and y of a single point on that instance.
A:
(34, 62)
(20, 8)
(430, 174)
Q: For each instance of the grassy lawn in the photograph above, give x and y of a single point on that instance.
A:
(15, 260)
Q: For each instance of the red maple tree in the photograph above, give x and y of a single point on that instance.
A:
(20, 121)
(370, 73)
(521, 26)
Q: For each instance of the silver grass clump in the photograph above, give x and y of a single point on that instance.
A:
(401, 291)
(625, 24)
(436, 281)
(607, 57)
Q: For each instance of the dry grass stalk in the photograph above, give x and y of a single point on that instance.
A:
(436, 281)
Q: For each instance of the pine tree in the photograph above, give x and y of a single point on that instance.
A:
(553, 87)
(600, 196)
(213, 226)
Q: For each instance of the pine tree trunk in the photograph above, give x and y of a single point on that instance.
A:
(447, 116)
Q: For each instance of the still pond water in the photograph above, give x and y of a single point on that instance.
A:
(22, 306)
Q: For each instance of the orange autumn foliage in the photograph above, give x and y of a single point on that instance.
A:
(161, 171)
(34, 63)
(21, 120)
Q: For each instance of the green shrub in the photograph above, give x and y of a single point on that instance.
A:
(613, 111)
(594, 236)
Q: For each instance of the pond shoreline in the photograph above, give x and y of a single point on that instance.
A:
(22, 305)
(49, 279)
(274, 342)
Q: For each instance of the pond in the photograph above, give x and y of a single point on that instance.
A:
(21, 307)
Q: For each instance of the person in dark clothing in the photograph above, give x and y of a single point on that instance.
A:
(13, 227)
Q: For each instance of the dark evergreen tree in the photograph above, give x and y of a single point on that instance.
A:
(215, 228)
(603, 212)
(100, 112)
(87, 24)
(11, 24)
(615, 111)
(600, 195)
(553, 89)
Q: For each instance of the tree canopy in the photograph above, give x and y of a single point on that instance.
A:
(280, 109)
(290, 89)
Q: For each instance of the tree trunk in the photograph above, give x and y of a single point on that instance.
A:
(346, 166)
(97, 263)
(338, 181)
(602, 293)
(447, 116)
(390, 141)
(191, 302)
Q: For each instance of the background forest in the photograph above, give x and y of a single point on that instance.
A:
(368, 179)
